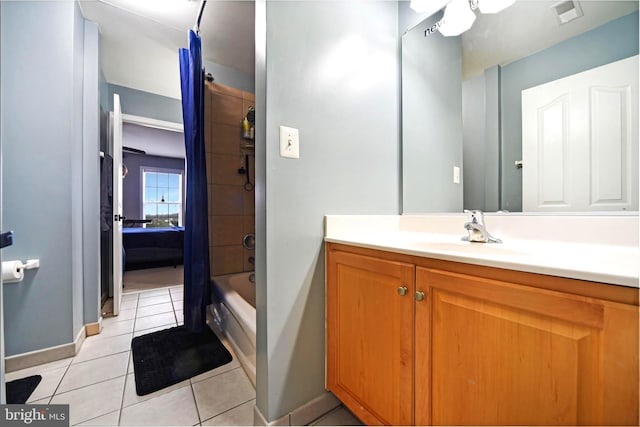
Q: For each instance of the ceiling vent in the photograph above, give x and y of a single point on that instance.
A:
(567, 11)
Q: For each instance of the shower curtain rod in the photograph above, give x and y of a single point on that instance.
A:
(196, 26)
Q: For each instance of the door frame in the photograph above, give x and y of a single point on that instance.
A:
(146, 122)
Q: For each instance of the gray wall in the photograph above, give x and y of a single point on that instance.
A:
(145, 104)
(431, 120)
(230, 77)
(132, 184)
(150, 105)
(610, 42)
(332, 74)
(91, 174)
(481, 140)
(41, 135)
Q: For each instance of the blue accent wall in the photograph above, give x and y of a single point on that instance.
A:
(613, 41)
(132, 183)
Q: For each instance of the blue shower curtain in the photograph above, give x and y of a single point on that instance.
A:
(196, 242)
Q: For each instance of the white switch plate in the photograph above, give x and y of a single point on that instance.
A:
(456, 175)
(289, 142)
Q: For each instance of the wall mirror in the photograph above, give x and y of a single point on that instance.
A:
(462, 111)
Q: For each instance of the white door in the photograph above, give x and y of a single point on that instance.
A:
(580, 141)
(117, 204)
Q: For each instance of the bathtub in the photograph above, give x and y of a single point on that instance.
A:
(235, 316)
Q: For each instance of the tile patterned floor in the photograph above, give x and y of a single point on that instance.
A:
(99, 385)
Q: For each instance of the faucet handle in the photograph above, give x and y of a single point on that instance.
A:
(475, 216)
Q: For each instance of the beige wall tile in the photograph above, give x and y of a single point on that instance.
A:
(245, 260)
(227, 110)
(209, 169)
(248, 96)
(248, 224)
(226, 230)
(225, 169)
(226, 259)
(226, 90)
(208, 114)
(226, 138)
(226, 200)
(249, 203)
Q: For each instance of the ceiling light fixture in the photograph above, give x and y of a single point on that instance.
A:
(458, 18)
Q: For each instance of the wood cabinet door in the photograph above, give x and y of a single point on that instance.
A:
(370, 336)
(515, 355)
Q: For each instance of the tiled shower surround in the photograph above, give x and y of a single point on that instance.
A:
(231, 206)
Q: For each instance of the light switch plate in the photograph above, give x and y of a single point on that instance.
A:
(456, 175)
(289, 142)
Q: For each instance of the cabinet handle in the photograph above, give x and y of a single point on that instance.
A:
(402, 291)
(420, 296)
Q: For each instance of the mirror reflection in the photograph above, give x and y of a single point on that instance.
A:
(523, 111)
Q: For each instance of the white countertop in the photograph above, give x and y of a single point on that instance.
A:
(582, 258)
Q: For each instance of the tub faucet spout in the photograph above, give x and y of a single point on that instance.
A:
(476, 228)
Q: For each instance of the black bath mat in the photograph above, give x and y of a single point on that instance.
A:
(169, 356)
(18, 391)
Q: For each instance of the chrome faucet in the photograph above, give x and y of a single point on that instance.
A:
(477, 231)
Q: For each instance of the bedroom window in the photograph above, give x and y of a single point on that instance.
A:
(162, 198)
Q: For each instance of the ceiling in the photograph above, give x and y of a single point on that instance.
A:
(140, 39)
(527, 27)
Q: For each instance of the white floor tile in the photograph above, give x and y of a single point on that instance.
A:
(131, 397)
(161, 299)
(125, 314)
(217, 371)
(44, 401)
(222, 392)
(116, 328)
(38, 370)
(93, 401)
(148, 331)
(128, 305)
(239, 416)
(338, 417)
(130, 368)
(180, 317)
(150, 310)
(48, 385)
(110, 419)
(129, 297)
(96, 348)
(175, 408)
(86, 373)
(154, 293)
(178, 305)
(155, 321)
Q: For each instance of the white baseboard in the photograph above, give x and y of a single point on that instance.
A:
(46, 355)
(302, 415)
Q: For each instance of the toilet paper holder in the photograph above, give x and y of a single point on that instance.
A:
(13, 271)
(30, 264)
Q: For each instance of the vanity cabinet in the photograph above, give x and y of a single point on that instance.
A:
(370, 345)
(480, 346)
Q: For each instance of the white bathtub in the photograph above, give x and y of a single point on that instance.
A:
(235, 315)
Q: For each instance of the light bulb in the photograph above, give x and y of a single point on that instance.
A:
(458, 18)
(494, 6)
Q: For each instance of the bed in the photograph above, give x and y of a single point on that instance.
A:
(152, 247)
